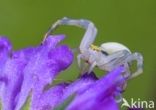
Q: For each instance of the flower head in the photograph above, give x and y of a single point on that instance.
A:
(28, 71)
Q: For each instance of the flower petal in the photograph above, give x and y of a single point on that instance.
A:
(30, 69)
(98, 93)
(43, 66)
(12, 72)
(48, 99)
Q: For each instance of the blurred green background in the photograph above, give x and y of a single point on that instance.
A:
(131, 22)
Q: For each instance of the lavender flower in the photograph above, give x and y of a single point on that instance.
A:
(27, 72)
(101, 94)
(30, 70)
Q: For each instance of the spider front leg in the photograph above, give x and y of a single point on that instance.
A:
(84, 66)
(88, 65)
(79, 58)
(90, 33)
(81, 64)
(92, 67)
(139, 58)
(87, 40)
(52, 28)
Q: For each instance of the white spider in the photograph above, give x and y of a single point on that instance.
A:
(106, 57)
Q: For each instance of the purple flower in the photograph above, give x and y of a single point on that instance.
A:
(30, 70)
(100, 94)
(91, 93)
(27, 72)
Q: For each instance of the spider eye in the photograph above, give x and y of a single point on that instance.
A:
(104, 52)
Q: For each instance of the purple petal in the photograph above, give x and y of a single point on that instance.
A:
(30, 69)
(80, 84)
(12, 72)
(99, 93)
(52, 40)
(51, 98)
(5, 51)
(5, 45)
(43, 66)
(48, 99)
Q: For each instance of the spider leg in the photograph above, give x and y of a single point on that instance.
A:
(79, 60)
(82, 65)
(139, 58)
(92, 67)
(114, 58)
(52, 28)
(89, 35)
(123, 58)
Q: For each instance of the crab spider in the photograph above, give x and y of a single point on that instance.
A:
(107, 56)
